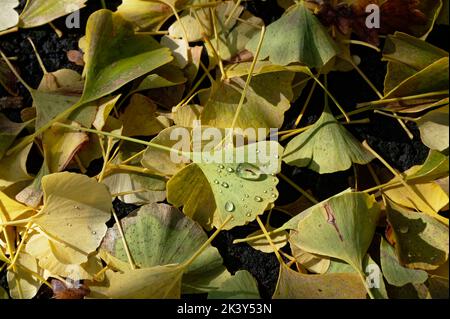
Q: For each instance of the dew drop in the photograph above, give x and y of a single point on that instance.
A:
(274, 196)
(221, 166)
(76, 207)
(219, 170)
(248, 214)
(94, 233)
(247, 195)
(216, 181)
(229, 207)
(230, 170)
(258, 199)
(69, 224)
(248, 171)
(224, 184)
(277, 156)
(404, 229)
(265, 192)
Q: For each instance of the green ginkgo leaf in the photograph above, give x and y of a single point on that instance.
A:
(298, 36)
(326, 147)
(267, 99)
(8, 133)
(76, 209)
(241, 285)
(341, 227)
(394, 272)
(433, 128)
(421, 242)
(40, 12)
(158, 234)
(212, 192)
(8, 16)
(294, 285)
(158, 282)
(115, 55)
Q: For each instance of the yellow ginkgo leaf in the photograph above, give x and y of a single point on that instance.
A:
(75, 211)
(10, 209)
(41, 248)
(21, 281)
(159, 282)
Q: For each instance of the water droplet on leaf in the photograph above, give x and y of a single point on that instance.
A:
(229, 207)
(248, 171)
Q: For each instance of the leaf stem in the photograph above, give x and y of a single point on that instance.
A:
(330, 95)
(308, 99)
(430, 211)
(260, 236)
(299, 189)
(275, 249)
(206, 243)
(124, 241)
(129, 139)
(405, 98)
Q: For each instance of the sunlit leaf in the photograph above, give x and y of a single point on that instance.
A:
(326, 147)
(158, 234)
(294, 285)
(8, 16)
(421, 242)
(434, 129)
(342, 228)
(39, 12)
(158, 282)
(75, 211)
(241, 285)
(114, 55)
(267, 99)
(23, 284)
(210, 193)
(304, 39)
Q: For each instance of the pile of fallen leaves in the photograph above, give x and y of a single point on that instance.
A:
(217, 63)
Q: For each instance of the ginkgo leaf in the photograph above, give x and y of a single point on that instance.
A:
(39, 12)
(210, 193)
(13, 168)
(158, 234)
(8, 133)
(21, 281)
(145, 13)
(267, 99)
(406, 55)
(114, 55)
(159, 161)
(341, 227)
(140, 118)
(148, 188)
(426, 195)
(241, 285)
(8, 16)
(326, 147)
(394, 272)
(294, 285)
(304, 39)
(158, 282)
(60, 146)
(280, 239)
(313, 263)
(11, 209)
(75, 211)
(433, 128)
(421, 242)
(41, 248)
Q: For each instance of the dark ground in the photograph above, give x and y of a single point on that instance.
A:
(383, 134)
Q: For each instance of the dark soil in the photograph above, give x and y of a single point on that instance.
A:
(384, 134)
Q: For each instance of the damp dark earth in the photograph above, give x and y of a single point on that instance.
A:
(353, 205)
